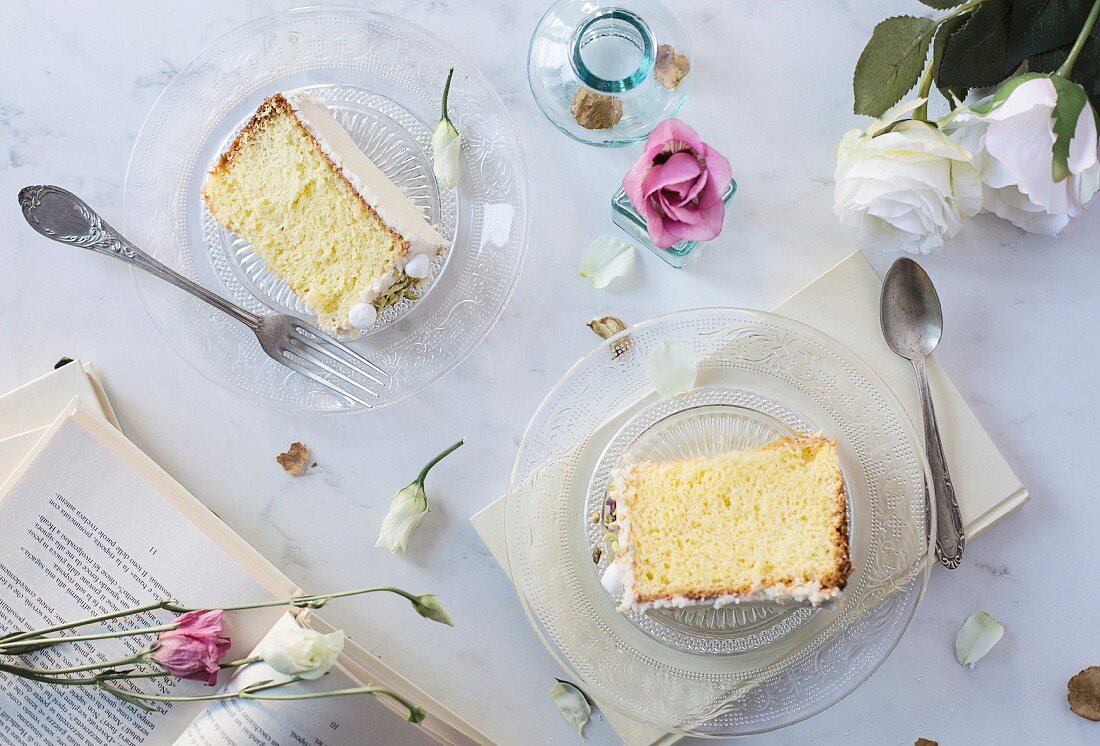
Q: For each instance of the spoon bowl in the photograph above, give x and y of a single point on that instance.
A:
(910, 313)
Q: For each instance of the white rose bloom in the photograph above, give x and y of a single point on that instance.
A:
(446, 153)
(407, 509)
(1012, 147)
(906, 185)
(302, 652)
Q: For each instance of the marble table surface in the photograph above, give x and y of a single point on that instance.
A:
(772, 92)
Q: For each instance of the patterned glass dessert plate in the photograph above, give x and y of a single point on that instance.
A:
(382, 79)
(745, 668)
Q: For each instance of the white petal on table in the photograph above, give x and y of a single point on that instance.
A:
(672, 367)
(977, 637)
(606, 258)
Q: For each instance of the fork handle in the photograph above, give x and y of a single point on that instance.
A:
(63, 217)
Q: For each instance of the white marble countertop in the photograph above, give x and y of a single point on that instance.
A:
(772, 92)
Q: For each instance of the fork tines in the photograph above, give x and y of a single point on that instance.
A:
(329, 362)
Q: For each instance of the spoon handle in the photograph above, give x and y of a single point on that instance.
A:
(950, 536)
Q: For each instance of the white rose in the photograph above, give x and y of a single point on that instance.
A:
(906, 185)
(1013, 152)
(446, 153)
(301, 652)
(407, 509)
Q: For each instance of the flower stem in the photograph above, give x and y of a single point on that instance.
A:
(304, 602)
(925, 88)
(446, 94)
(22, 671)
(1067, 66)
(124, 694)
(17, 671)
(13, 636)
(33, 639)
(6, 647)
(416, 714)
(254, 691)
(924, 91)
(447, 452)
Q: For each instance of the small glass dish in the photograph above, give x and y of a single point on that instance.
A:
(381, 77)
(630, 220)
(609, 60)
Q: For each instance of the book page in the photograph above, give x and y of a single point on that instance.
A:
(332, 721)
(84, 531)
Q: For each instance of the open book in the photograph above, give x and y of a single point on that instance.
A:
(90, 525)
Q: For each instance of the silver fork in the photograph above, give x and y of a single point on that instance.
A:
(64, 217)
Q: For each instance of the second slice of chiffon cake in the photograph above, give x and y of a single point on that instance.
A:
(764, 524)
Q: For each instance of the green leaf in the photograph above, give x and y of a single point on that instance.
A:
(1042, 25)
(946, 29)
(942, 4)
(1047, 62)
(975, 55)
(891, 63)
(1067, 110)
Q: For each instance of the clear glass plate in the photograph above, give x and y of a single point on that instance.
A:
(742, 669)
(382, 78)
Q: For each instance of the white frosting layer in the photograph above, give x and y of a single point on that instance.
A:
(363, 315)
(387, 199)
(418, 267)
(623, 574)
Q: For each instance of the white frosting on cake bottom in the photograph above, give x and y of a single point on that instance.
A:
(620, 574)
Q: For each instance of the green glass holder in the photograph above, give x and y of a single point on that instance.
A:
(630, 220)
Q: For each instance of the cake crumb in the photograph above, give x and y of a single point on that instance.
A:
(295, 459)
(670, 67)
(595, 111)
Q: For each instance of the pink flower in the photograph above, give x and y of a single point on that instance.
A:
(677, 185)
(193, 650)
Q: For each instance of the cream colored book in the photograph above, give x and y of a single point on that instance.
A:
(88, 525)
(843, 303)
(27, 412)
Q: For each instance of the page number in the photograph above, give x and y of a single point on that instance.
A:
(334, 725)
(152, 550)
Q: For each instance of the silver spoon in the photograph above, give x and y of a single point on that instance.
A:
(912, 323)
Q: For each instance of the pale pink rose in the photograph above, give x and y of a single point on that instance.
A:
(677, 185)
(195, 648)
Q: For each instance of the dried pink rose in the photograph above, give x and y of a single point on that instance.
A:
(194, 649)
(677, 185)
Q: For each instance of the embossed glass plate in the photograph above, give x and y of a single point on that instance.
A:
(742, 669)
(382, 78)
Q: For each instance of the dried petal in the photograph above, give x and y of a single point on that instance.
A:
(595, 111)
(572, 705)
(606, 258)
(294, 459)
(672, 368)
(607, 327)
(670, 67)
(1084, 693)
(977, 637)
(925, 742)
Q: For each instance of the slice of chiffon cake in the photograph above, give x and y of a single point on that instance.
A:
(325, 218)
(755, 525)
